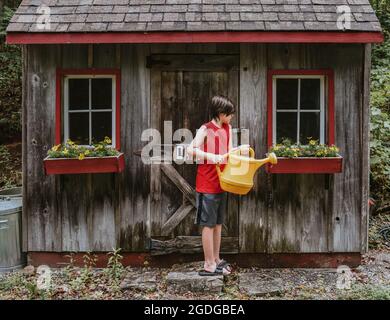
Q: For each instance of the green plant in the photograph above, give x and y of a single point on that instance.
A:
(380, 109)
(380, 154)
(89, 263)
(313, 149)
(115, 269)
(13, 280)
(72, 150)
(365, 292)
(68, 271)
(10, 83)
(35, 293)
(85, 275)
(9, 175)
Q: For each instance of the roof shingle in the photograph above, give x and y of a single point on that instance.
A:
(191, 15)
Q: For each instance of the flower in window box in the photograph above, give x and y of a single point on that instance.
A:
(72, 150)
(312, 149)
(310, 158)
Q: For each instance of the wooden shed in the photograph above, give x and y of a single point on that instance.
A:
(93, 68)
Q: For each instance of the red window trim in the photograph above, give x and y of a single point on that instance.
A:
(90, 71)
(319, 72)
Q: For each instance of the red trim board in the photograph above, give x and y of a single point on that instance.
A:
(196, 37)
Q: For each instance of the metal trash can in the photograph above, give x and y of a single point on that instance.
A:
(11, 256)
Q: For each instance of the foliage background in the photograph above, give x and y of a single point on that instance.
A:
(380, 110)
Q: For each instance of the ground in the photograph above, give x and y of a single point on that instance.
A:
(371, 280)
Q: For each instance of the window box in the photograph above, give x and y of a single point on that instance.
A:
(307, 165)
(87, 165)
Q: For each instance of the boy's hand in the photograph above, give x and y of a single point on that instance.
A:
(218, 159)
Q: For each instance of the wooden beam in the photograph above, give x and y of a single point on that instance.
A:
(195, 37)
(190, 244)
(198, 62)
(179, 182)
(25, 104)
(243, 260)
(176, 218)
(365, 145)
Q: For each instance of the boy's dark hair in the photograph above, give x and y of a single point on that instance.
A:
(221, 104)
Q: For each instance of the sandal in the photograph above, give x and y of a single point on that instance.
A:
(223, 265)
(208, 273)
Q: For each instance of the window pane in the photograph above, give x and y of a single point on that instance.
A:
(287, 93)
(101, 93)
(79, 127)
(286, 126)
(78, 94)
(310, 126)
(310, 94)
(101, 126)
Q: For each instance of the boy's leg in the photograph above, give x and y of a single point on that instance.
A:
(208, 248)
(226, 269)
(217, 242)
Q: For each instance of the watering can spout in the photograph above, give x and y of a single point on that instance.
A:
(238, 175)
(270, 159)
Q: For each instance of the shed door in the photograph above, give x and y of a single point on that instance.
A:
(181, 86)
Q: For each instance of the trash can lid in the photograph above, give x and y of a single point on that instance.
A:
(9, 205)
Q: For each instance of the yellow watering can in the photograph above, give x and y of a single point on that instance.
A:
(237, 176)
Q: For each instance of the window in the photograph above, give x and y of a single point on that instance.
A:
(91, 104)
(300, 106)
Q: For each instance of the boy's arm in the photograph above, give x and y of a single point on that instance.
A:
(230, 138)
(193, 148)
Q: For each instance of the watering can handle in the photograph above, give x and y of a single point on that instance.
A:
(251, 152)
(251, 155)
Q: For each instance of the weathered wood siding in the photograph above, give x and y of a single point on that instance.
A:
(89, 212)
(307, 213)
(284, 213)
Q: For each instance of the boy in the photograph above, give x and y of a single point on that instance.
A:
(211, 146)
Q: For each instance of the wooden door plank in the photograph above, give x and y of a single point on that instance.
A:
(44, 217)
(155, 221)
(179, 182)
(176, 218)
(253, 226)
(134, 182)
(198, 62)
(190, 244)
(365, 145)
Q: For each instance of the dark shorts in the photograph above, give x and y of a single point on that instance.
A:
(211, 208)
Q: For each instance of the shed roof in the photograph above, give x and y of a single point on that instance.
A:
(101, 16)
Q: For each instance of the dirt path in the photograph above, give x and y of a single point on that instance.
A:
(371, 280)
